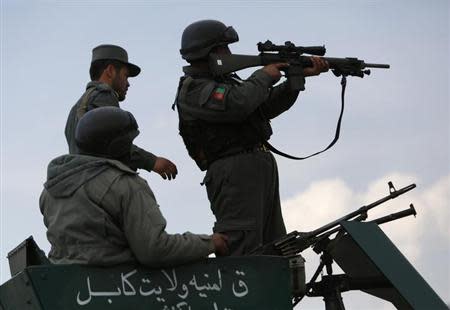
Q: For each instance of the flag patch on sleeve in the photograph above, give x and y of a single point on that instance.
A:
(218, 93)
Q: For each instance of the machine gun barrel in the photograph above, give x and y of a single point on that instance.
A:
(382, 220)
(296, 242)
(393, 194)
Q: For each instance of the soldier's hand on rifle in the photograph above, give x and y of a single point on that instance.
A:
(220, 244)
(274, 70)
(319, 65)
(165, 168)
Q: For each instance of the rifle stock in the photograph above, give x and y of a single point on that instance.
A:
(225, 64)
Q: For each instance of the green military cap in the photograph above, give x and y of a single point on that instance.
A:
(114, 52)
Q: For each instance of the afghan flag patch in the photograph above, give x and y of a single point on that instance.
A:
(219, 93)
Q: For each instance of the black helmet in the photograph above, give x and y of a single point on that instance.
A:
(107, 132)
(200, 37)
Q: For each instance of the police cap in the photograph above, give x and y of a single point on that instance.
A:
(114, 52)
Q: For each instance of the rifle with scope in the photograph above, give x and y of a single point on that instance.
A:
(270, 53)
(222, 64)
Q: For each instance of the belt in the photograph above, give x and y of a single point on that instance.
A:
(255, 148)
(260, 147)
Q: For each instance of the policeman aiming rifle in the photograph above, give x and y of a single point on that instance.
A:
(292, 54)
(225, 124)
(223, 64)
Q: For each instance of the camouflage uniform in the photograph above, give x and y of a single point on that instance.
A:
(242, 177)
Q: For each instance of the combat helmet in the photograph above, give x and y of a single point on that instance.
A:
(106, 132)
(201, 37)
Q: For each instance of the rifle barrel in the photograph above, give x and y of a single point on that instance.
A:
(337, 62)
(381, 66)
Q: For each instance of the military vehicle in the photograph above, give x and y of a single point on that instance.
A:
(273, 278)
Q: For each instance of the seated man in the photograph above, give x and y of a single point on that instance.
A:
(98, 211)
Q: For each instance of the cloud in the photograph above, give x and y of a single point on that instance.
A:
(423, 240)
(321, 202)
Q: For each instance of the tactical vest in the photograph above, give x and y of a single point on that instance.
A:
(209, 141)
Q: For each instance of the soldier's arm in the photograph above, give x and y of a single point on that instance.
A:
(140, 158)
(223, 102)
(281, 99)
(144, 227)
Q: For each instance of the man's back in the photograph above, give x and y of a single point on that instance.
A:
(79, 229)
(100, 212)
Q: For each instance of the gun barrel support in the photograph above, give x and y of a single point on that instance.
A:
(395, 216)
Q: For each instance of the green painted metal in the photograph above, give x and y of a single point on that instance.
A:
(258, 282)
(19, 294)
(394, 266)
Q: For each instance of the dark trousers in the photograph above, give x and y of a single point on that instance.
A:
(244, 196)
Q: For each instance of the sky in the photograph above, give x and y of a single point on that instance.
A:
(395, 125)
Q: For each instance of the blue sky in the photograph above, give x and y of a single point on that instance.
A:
(396, 123)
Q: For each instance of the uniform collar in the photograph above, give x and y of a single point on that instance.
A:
(196, 72)
(101, 85)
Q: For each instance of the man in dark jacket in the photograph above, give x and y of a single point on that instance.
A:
(99, 211)
(109, 73)
(224, 123)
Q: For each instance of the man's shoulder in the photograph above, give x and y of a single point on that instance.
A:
(97, 94)
(199, 90)
(125, 181)
(118, 175)
(96, 91)
(119, 168)
(199, 82)
(98, 86)
(101, 91)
